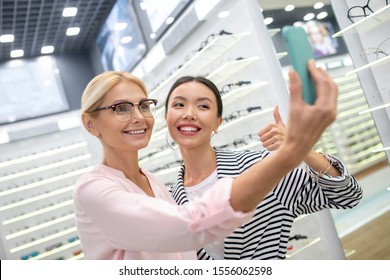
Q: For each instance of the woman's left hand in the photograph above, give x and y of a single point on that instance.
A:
(272, 136)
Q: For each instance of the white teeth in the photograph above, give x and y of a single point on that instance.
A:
(188, 128)
(134, 132)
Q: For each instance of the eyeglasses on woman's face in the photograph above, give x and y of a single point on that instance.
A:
(124, 111)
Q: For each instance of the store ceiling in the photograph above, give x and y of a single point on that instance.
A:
(36, 23)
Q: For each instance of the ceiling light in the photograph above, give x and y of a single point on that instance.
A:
(126, 40)
(224, 14)
(69, 12)
(289, 8)
(268, 20)
(6, 38)
(47, 49)
(204, 7)
(72, 31)
(152, 35)
(318, 5)
(143, 5)
(308, 16)
(141, 47)
(4, 137)
(17, 53)
(120, 26)
(169, 20)
(322, 15)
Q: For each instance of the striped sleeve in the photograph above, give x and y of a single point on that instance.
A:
(303, 194)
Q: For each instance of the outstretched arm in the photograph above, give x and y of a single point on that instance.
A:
(306, 124)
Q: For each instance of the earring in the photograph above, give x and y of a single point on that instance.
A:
(171, 144)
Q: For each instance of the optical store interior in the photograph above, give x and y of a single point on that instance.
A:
(50, 50)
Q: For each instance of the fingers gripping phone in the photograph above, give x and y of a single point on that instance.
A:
(299, 52)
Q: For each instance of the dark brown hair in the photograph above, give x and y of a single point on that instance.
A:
(199, 79)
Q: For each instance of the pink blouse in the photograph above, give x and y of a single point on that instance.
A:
(116, 220)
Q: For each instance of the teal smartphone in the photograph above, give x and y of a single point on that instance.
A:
(299, 52)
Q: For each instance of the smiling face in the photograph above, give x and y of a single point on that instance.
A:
(126, 136)
(192, 115)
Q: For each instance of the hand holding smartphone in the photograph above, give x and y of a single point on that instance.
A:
(300, 52)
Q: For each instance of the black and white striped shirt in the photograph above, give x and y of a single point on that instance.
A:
(266, 235)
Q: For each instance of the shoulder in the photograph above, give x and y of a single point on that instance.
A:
(241, 156)
(96, 173)
(96, 177)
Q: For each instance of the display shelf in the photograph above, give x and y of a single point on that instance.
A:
(347, 87)
(230, 68)
(381, 149)
(243, 119)
(273, 31)
(300, 246)
(37, 176)
(367, 23)
(357, 102)
(255, 145)
(373, 64)
(366, 160)
(352, 94)
(43, 240)
(168, 171)
(18, 218)
(49, 255)
(77, 257)
(373, 109)
(160, 158)
(241, 92)
(354, 121)
(281, 55)
(201, 59)
(159, 135)
(158, 155)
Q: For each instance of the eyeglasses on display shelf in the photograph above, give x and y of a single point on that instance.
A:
(228, 87)
(240, 113)
(240, 142)
(357, 12)
(299, 243)
(205, 43)
(376, 53)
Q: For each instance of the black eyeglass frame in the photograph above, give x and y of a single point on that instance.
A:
(227, 88)
(115, 106)
(363, 8)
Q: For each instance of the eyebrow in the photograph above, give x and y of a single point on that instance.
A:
(198, 99)
(122, 100)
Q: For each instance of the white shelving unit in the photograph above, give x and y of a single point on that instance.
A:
(37, 174)
(353, 136)
(364, 36)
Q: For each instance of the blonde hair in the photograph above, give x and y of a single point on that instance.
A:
(98, 87)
